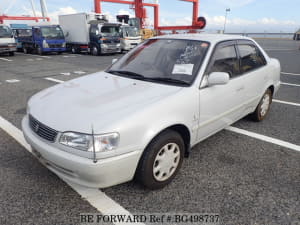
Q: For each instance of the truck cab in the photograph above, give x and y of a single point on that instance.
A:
(44, 39)
(7, 40)
(105, 38)
(130, 37)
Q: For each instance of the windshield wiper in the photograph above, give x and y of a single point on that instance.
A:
(127, 74)
(169, 80)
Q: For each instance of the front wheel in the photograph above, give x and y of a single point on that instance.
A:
(263, 107)
(95, 50)
(39, 51)
(161, 160)
(11, 53)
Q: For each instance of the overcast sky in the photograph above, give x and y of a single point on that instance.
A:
(244, 15)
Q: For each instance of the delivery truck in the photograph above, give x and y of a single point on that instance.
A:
(130, 37)
(90, 32)
(7, 40)
(43, 39)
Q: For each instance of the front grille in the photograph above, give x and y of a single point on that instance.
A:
(55, 45)
(42, 130)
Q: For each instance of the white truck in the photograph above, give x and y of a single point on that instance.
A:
(90, 32)
(130, 37)
(7, 40)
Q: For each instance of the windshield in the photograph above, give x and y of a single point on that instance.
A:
(163, 60)
(130, 32)
(110, 30)
(52, 32)
(5, 32)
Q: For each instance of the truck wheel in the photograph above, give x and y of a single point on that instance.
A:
(11, 53)
(39, 50)
(73, 50)
(95, 50)
(25, 50)
(161, 160)
(263, 107)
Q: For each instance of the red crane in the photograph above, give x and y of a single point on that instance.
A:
(4, 17)
(140, 13)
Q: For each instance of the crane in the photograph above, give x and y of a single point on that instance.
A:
(35, 18)
(141, 14)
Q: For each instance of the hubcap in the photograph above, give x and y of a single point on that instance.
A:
(166, 162)
(265, 105)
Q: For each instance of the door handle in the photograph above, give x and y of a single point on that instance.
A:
(240, 89)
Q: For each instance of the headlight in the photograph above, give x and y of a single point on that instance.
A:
(118, 45)
(63, 45)
(45, 44)
(104, 46)
(84, 142)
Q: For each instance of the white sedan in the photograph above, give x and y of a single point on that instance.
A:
(141, 116)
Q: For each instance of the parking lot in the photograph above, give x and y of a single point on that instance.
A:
(248, 174)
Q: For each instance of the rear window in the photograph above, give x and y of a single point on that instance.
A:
(251, 57)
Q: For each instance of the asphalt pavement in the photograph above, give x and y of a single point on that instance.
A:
(241, 178)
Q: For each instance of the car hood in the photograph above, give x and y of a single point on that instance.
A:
(97, 100)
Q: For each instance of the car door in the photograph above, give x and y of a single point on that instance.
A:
(221, 105)
(253, 71)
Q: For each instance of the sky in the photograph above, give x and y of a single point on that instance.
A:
(244, 16)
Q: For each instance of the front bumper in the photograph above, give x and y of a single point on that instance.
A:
(54, 49)
(4, 49)
(80, 170)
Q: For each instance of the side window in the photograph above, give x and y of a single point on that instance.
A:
(251, 57)
(225, 60)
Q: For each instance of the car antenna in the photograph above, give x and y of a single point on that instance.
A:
(94, 150)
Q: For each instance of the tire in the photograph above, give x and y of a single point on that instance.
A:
(39, 51)
(263, 107)
(59, 53)
(11, 53)
(95, 50)
(73, 50)
(25, 50)
(166, 151)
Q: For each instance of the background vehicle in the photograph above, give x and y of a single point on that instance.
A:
(90, 33)
(297, 35)
(43, 39)
(20, 30)
(130, 37)
(7, 40)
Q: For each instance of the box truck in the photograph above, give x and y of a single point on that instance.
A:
(130, 37)
(7, 40)
(90, 33)
(43, 39)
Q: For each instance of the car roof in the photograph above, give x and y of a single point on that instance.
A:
(212, 38)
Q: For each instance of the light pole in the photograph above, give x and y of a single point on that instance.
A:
(226, 11)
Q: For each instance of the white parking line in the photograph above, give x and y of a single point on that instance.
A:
(4, 59)
(12, 81)
(95, 197)
(265, 138)
(43, 56)
(289, 84)
(285, 102)
(295, 74)
(54, 80)
(280, 49)
(79, 72)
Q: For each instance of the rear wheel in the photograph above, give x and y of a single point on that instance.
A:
(11, 53)
(161, 160)
(263, 107)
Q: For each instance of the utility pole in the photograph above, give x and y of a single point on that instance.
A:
(226, 12)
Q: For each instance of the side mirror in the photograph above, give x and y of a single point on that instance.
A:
(218, 78)
(114, 60)
(67, 34)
